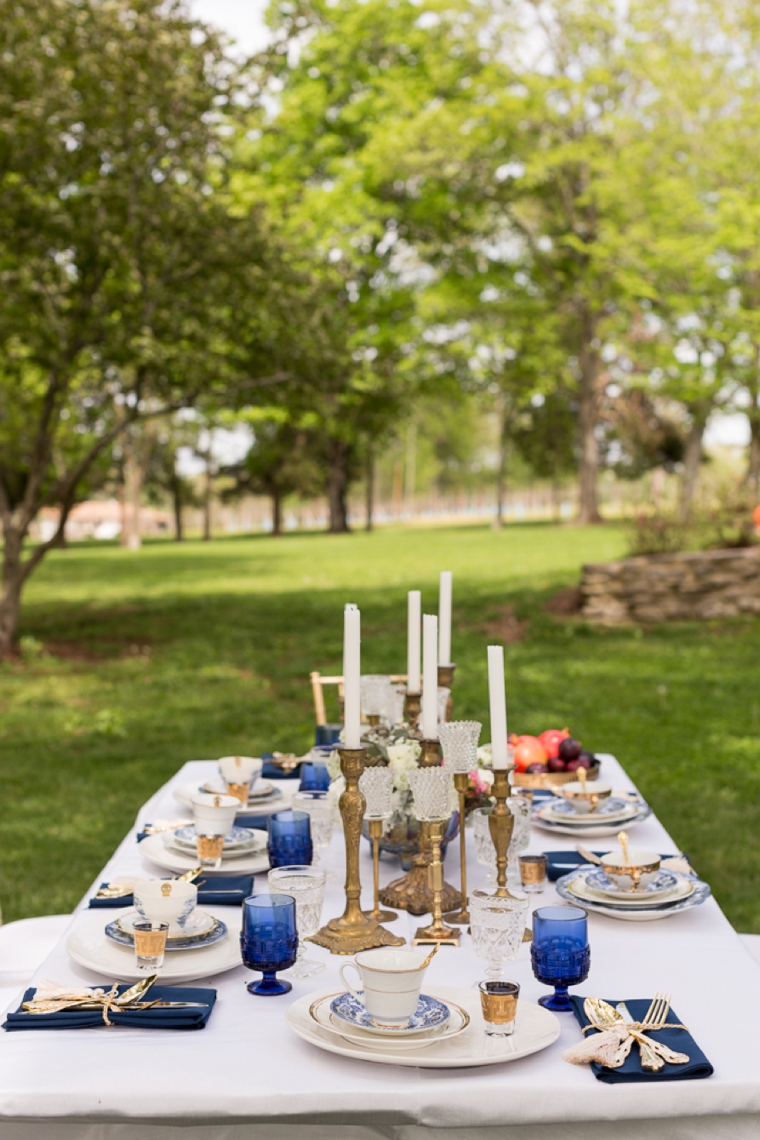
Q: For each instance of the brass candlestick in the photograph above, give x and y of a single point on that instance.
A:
(375, 834)
(501, 823)
(437, 930)
(461, 784)
(446, 681)
(373, 719)
(412, 707)
(353, 931)
(412, 891)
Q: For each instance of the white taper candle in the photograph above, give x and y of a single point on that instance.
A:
(352, 676)
(500, 756)
(413, 642)
(444, 617)
(430, 677)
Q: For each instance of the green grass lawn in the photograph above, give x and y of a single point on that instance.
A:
(187, 652)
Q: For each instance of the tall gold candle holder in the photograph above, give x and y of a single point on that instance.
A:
(412, 891)
(501, 823)
(437, 930)
(353, 931)
(459, 739)
(412, 707)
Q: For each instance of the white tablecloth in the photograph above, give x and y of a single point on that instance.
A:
(247, 1076)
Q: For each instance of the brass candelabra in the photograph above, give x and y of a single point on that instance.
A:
(353, 931)
(501, 824)
(461, 784)
(437, 930)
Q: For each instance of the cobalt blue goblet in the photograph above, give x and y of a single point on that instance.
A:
(560, 952)
(269, 940)
(314, 778)
(289, 840)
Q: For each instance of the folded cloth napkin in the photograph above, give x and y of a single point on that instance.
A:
(217, 890)
(558, 863)
(272, 772)
(679, 1040)
(139, 1018)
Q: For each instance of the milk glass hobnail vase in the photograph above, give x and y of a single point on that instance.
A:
(431, 789)
(497, 926)
(306, 886)
(376, 785)
(485, 852)
(459, 741)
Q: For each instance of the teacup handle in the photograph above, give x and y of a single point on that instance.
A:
(345, 980)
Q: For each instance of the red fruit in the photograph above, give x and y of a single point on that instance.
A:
(570, 749)
(527, 750)
(552, 738)
(556, 764)
(536, 768)
(574, 765)
(586, 759)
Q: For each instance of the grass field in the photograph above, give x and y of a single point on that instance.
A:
(188, 652)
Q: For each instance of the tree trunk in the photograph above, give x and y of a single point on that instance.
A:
(13, 584)
(588, 416)
(133, 481)
(277, 513)
(179, 533)
(337, 487)
(752, 478)
(370, 490)
(691, 461)
(207, 500)
(501, 470)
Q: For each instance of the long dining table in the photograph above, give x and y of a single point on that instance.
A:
(247, 1076)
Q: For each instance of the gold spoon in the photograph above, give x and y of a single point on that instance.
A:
(623, 841)
(431, 955)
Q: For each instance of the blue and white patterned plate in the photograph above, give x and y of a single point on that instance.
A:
(239, 837)
(564, 824)
(431, 1014)
(662, 883)
(118, 931)
(612, 808)
(571, 888)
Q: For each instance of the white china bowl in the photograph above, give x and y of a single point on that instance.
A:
(214, 815)
(154, 904)
(585, 798)
(616, 866)
(240, 769)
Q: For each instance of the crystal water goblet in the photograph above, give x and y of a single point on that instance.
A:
(560, 953)
(269, 941)
(321, 813)
(497, 925)
(307, 887)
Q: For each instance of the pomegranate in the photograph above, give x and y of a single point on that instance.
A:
(527, 750)
(551, 739)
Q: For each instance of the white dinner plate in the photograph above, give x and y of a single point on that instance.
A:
(536, 1028)
(613, 810)
(239, 839)
(588, 830)
(698, 895)
(154, 848)
(583, 890)
(277, 800)
(87, 944)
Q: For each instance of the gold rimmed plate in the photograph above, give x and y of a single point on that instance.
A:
(320, 1012)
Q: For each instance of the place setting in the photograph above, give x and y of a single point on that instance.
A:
(589, 809)
(212, 839)
(632, 884)
(240, 777)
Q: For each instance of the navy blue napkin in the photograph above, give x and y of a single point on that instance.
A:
(140, 1018)
(214, 892)
(631, 1071)
(272, 772)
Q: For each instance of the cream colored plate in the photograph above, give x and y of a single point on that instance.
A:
(321, 1014)
(154, 849)
(536, 1029)
(681, 891)
(88, 945)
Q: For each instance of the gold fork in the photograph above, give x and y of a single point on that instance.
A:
(658, 1011)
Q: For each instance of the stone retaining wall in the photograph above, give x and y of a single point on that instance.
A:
(672, 587)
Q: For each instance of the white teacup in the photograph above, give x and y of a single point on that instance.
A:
(214, 815)
(391, 981)
(638, 870)
(240, 769)
(585, 797)
(161, 900)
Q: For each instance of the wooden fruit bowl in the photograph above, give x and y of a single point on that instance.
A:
(551, 779)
